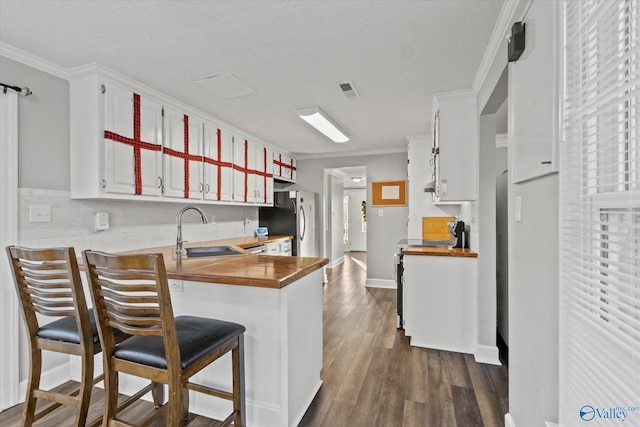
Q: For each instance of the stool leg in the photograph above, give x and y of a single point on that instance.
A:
(157, 391)
(84, 396)
(237, 356)
(176, 405)
(111, 395)
(35, 369)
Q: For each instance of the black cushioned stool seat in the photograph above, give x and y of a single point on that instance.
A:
(66, 330)
(197, 336)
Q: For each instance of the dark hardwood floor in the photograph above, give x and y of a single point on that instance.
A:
(371, 375)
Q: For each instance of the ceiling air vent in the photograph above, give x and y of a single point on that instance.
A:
(349, 89)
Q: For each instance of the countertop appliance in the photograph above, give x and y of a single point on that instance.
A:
(293, 213)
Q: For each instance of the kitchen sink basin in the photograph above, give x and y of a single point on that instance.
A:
(205, 251)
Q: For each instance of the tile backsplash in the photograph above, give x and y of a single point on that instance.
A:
(133, 224)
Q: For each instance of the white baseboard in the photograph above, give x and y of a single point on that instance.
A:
(551, 424)
(508, 421)
(336, 262)
(50, 378)
(488, 354)
(307, 404)
(381, 283)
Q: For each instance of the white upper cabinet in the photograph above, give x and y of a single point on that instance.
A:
(284, 167)
(455, 146)
(131, 142)
(218, 163)
(182, 155)
(534, 91)
(252, 172)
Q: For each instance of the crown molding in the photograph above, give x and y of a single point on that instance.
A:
(299, 156)
(33, 61)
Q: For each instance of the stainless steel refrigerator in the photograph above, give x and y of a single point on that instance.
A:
(293, 214)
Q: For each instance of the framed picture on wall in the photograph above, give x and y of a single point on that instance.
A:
(389, 193)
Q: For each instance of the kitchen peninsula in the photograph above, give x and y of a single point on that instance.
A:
(279, 300)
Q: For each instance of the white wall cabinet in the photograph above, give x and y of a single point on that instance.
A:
(182, 154)
(455, 146)
(534, 95)
(131, 142)
(218, 163)
(284, 167)
(252, 172)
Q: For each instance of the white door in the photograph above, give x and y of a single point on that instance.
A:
(357, 219)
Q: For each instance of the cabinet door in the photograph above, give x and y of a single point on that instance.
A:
(132, 142)
(244, 165)
(263, 175)
(533, 94)
(182, 155)
(218, 163)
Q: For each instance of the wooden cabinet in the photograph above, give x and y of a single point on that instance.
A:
(131, 142)
(455, 147)
(252, 176)
(284, 167)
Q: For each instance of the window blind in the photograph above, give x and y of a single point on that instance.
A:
(600, 226)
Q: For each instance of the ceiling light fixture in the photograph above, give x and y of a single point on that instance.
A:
(323, 123)
(356, 179)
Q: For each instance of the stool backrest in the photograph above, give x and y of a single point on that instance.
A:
(131, 293)
(48, 283)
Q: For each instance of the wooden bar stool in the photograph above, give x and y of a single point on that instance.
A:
(48, 283)
(131, 293)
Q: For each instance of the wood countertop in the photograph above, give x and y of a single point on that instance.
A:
(265, 271)
(435, 251)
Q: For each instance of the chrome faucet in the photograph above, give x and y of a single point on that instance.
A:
(179, 240)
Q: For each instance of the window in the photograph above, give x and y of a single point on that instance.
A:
(600, 298)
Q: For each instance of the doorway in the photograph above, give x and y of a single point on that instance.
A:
(355, 222)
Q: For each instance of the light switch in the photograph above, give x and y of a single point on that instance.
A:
(102, 221)
(380, 212)
(517, 202)
(39, 213)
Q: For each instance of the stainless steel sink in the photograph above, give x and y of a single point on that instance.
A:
(205, 251)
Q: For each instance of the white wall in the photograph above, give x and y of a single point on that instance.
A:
(383, 232)
(336, 207)
(419, 173)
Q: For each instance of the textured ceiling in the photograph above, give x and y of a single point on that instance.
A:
(293, 53)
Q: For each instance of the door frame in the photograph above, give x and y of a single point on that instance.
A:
(9, 353)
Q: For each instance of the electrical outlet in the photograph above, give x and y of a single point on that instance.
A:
(176, 285)
(39, 213)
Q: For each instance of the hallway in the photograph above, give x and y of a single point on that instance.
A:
(373, 377)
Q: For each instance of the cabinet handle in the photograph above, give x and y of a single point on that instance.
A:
(546, 163)
(104, 184)
(200, 188)
(207, 188)
(159, 182)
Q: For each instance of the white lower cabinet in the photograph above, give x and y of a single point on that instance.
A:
(440, 302)
(285, 247)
